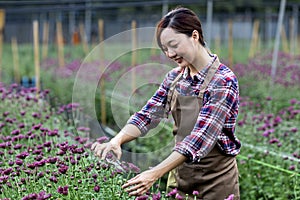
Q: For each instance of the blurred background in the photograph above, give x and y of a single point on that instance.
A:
(118, 15)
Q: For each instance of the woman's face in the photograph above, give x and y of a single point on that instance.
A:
(178, 47)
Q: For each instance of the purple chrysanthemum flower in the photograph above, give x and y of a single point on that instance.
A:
(18, 146)
(19, 162)
(53, 179)
(11, 163)
(73, 161)
(37, 152)
(31, 165)
(94, 176)
(47, 144)
(293, 101)
(7, 171)
(172, 193)
(63, 190)
(230, 197)
(156, 196)
(294, 130)
(22, 155)
(97, 188)
(43, 195)
(40, 174)
(102, 139)
(52, 160)
(178, 196)
(60, 153)
(5, 114)
(277, 120)
(30, 196)
(3, 179)
(63, 169)
(37, 127)
(292, 167)
(36, 115)
(273, 140)
(133, 168)
(21, 125)
(268, 98)
(15, 132)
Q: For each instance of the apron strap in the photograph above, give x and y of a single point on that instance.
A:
(170, 93)
(210, 74)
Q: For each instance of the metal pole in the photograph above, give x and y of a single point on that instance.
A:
(72, 23)
(88, 20)
(295, 16)
(277, 41)
(209, 17)
(165, 7)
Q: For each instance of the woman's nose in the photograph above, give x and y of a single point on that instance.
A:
(171, 53)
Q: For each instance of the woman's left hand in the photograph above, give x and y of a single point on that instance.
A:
(141, 183)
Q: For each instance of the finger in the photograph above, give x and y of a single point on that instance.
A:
(133, 189)
(139, 191)
(94, 145)
(98, 150)
(131, 182)
(104, 153)
(118, 154)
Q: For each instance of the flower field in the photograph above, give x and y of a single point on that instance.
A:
(45, 153)
(43, 156)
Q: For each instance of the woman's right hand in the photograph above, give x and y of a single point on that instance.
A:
(128, 133)
(101, 150)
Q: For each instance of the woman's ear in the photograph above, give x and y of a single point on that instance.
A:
(195, 35)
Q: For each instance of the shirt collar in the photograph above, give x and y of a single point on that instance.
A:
(202, 72)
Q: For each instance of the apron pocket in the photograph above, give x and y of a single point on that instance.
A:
(189, 177)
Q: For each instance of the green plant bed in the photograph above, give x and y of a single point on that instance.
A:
(44, 157)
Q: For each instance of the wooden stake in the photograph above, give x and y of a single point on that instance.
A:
(60, 44)
(83, 38)
(36, 54)
(133, 58)
(15, 53)
(45, 40)
(2, 24)
(133, 64)
(230, 42)
(285, 44)
(217, 48)
(255, 38)
(102, 81)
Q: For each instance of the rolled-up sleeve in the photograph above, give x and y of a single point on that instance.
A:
(221, 99)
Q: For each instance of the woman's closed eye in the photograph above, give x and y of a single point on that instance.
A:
(174, 46)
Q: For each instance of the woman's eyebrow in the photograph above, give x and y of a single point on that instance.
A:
(169, 42)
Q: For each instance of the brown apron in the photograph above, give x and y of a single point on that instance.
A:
(215, 177)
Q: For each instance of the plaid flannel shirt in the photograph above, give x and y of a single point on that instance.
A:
(217, 118)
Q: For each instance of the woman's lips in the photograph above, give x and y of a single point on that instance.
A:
(178, 60)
